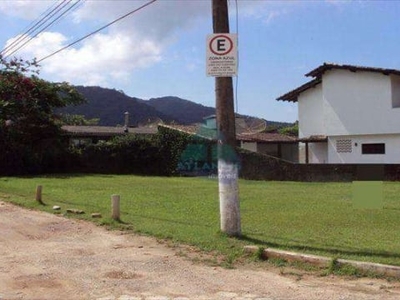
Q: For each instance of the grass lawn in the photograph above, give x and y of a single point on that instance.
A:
(316, 218)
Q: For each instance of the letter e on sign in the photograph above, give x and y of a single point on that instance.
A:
(221, 45)
(221, 55)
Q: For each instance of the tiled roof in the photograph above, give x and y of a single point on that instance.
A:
(293, 95)
(314, 139)
(105, 130)
(265, 137)
(195, 129)
(190, 129)
(317, 72)
(261, 137)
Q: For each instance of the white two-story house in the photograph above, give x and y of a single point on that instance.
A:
(349, 114)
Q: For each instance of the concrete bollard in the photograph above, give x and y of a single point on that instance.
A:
(115, 211)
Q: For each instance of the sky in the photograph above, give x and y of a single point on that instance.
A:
(160, 50)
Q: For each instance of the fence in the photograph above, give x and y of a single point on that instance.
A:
(257, 166)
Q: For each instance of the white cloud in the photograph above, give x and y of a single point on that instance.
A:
(272, 15)
(44, 44)
(338, 2)
(96, 61)
(135, 42)
(160, 20)
(28, 10)
(267, 11)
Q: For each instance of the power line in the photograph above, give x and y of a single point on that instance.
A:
(28, 28)
(25, 35)
(238, 57)
(48, 25)
(98, 30)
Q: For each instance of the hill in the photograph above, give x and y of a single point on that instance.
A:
(109, 105)
(183, 111)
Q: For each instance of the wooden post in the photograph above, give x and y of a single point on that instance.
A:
(126, 126)
(115, 211)
(228, 171)
(39, 194)
(307, 159)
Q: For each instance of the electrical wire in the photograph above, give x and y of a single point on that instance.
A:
(47, 26)
(98, 30)
(237, 75)
(30, 27)
(37, 25)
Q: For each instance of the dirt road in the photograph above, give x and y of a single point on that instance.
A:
(44, 256)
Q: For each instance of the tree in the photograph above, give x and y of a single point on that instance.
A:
(29, 129)
(290, 130)
(77, 120)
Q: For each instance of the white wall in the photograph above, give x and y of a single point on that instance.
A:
(392, 149)
(310, 108)
(358, 103)
(302, 153)
(317, 153)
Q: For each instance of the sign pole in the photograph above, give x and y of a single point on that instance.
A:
(227, 158)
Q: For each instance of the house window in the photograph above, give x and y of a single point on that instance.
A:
(373, 148)
(343, 146)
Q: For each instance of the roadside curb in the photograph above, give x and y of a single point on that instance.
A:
(324, 261)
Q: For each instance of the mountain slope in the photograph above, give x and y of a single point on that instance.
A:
(110, 105)
(181, 110)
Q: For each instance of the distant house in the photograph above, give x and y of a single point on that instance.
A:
(204, 155)
(79, 135)
(348, 114)
(274, 144)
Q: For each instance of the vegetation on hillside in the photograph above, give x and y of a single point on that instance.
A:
(109, 106)
(78, 120)
(181, 110)
(290, 130)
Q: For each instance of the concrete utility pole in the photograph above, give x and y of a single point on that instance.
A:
(228, 172)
